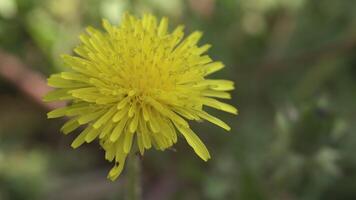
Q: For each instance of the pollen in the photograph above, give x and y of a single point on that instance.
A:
(137, 86)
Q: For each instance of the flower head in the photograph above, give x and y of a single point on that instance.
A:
(137, 84)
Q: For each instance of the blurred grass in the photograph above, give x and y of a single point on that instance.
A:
(293, 62)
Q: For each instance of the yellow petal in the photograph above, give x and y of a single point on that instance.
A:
(104, 118)
(80, 139)
(118, 129)
(219, 105)
(128, 141)
(194, 141)
(70, 126)
(214, 120)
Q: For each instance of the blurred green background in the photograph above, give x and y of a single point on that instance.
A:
(294, 65)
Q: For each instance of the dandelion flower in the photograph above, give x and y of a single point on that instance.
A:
(136, 85)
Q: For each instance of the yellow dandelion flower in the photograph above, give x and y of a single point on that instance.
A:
(138, 84)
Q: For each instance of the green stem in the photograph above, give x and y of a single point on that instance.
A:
(134, 177)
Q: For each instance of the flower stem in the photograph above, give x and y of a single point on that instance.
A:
(134, 178)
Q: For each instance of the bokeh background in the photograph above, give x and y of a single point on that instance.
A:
(294, 65)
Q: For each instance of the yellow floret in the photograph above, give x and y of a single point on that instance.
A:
(136, 85)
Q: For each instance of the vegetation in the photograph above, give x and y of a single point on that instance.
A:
(293, 63)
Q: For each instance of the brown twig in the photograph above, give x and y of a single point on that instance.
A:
(204, 8)
(29, 82)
